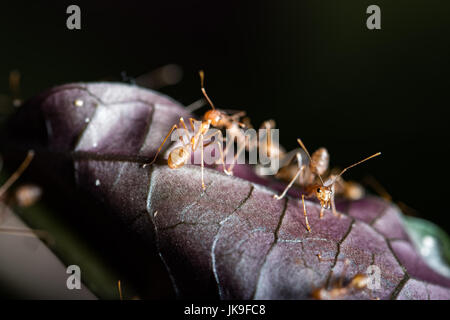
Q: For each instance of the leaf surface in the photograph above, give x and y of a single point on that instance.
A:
(233, 240)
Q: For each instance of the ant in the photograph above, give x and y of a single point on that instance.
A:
(347, 189)
(268, 147)
(230, 123)
(318, 165)
(24, 196)
(325, 191)
(277, 151)
(17, 173)
(358, 282)
(233, 125)
(179, 156)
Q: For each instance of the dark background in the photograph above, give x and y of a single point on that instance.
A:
(313, 66)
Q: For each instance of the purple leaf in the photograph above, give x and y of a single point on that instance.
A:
(233, 239)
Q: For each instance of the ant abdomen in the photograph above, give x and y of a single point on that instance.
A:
(320, 160)
(178, 157)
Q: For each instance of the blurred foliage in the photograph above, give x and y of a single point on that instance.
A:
(432, 243)
(72, 248)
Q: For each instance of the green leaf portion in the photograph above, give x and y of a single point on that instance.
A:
(432, 243)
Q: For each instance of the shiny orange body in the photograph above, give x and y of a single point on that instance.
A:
(358, 282)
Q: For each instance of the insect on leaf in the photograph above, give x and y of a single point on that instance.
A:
(230, 241)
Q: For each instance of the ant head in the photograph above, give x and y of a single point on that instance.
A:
(324, 194)
(215, 116)
(178, 157)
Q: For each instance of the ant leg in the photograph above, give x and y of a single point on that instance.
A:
(251, 143)
(119, 287)
(195, 135)
(227, 172)
(305, 214)
(238, 152)
(185, 128)
(191, 122)
(321, 212)
(267, 145)
(201, 156)
(290, 184)
(226, 147)
(289, 156)
(333, 204)
(202, 82)
(160, 147)
(17, 173)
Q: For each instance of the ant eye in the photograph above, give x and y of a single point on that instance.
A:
(318, 190)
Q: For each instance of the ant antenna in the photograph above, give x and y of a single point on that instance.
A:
(355, 164)
(307, 153)
(202, 81)
(18, 172)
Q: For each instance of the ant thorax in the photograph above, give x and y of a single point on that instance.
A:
(217, 118)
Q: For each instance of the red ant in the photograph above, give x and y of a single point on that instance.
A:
(179, 156)
(325, 191)
(24, 196)
(338, 290)
(317, 166)
(230, 123)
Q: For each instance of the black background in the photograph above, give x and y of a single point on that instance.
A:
(313, 66)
